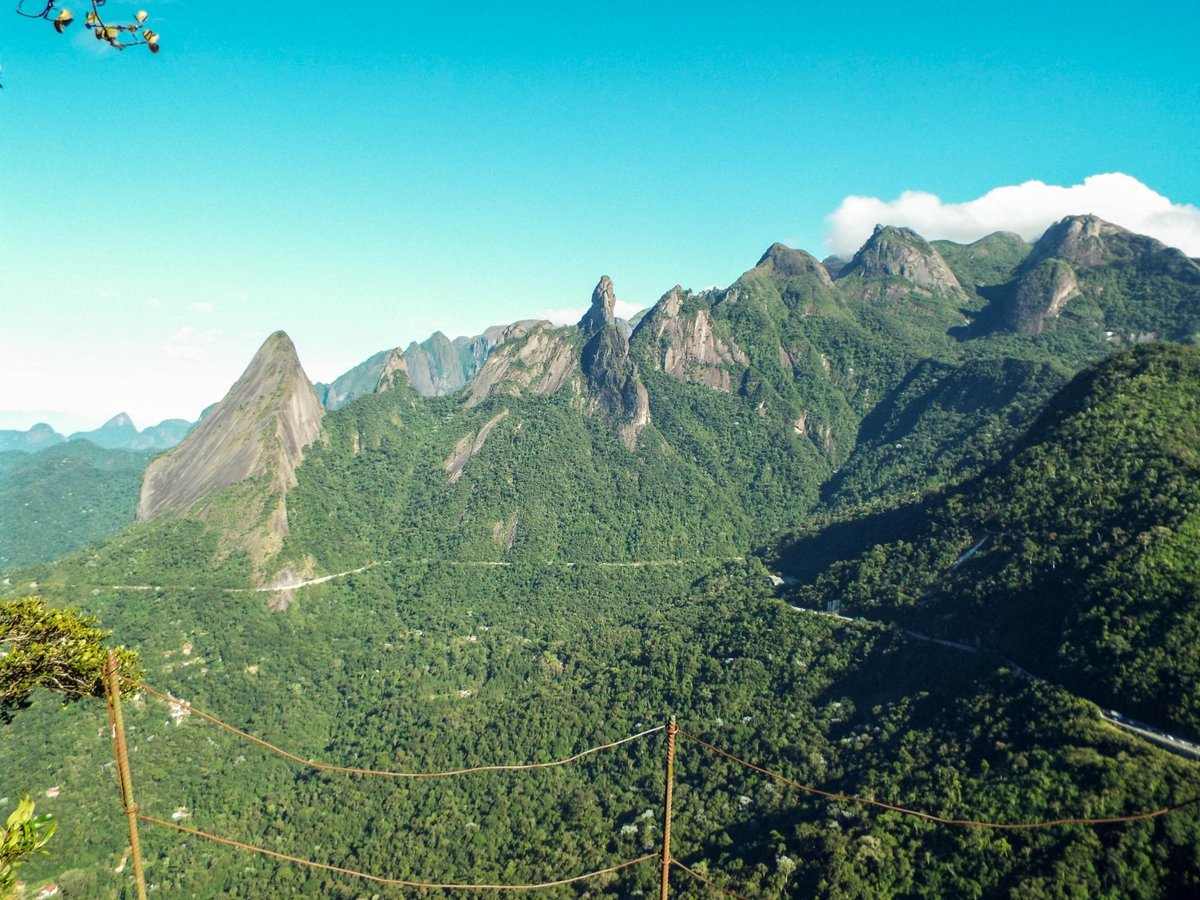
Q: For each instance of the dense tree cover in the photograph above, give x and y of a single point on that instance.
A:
(988, 261)
(548, 483)
(1087, 568)
(64, 497)
(942, 424)
(533, 588)
(433, 666)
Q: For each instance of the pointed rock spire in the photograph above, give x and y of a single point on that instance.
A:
(616, 388)
(395, 371)
(602, 312)
(261, 427)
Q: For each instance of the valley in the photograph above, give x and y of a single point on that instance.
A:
(815, 515)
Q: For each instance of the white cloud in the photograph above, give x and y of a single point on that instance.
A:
(201, 307)
(567, 316)
(192, 343)
(626, 310)
(572, 314)
(1028, 209)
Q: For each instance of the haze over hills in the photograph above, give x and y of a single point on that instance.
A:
(572, 544)
(118, 433)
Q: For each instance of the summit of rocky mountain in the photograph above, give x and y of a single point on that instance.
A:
(683, 339)
(1089, 242)
(1131, 287)
(533, 357)
(790, 263)
(258, 431)
(894, 262)
(615, 388)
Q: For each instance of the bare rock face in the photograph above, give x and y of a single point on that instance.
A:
(533, 356)
(789, 263)
(685, 346)
(1084, 241)
(1041, 293)
(395, 371)
(261, 427)
(468, 446)
(898, 253)
(615, 389)
(439, 366)
(1088, 242)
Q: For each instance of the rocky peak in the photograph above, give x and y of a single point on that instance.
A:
(834, 265)
(120, 420)
(690, 345)
(601, 315)
(1085, 241)
(261, 427)
(790, 263)
(615, 387)
(895, 252)
(668, 305)
(395, 372)
(1089, 242)
(531, 356)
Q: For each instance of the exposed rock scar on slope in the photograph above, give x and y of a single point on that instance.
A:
(688, 347)
(468, 446)
(535, 356)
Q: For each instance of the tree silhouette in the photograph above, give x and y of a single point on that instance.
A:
(121, 36)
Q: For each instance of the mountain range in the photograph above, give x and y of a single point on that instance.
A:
(118, 433)
(832, 516)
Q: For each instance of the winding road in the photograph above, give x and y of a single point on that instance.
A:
(1171, 742)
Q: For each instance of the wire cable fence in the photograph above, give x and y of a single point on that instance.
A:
(668, 862)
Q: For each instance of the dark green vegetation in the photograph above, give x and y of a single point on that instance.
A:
(63, 497)
(431, 667)
(57, 649)
(1088, 571)
(534, 587)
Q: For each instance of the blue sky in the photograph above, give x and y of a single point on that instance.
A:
(362, 177)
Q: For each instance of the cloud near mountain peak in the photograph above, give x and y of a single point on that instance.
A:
(1028, 209)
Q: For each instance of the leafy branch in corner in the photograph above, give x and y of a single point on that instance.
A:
(61, 650)
(132, 34)
(22, 836)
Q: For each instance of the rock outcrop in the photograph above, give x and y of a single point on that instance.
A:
(395, 371)
(1040, 294)
(468, 446)
(615, 389)
(1088, 242)
(532, 357)
(893, 262)
(783, 260)
(260, 428)
(434, 367)
(682, 342)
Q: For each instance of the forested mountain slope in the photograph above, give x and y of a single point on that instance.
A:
(1086, 567)
(63, 497)
(563, 554)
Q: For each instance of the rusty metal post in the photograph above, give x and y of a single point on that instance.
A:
(672, 728)
(112, 693)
